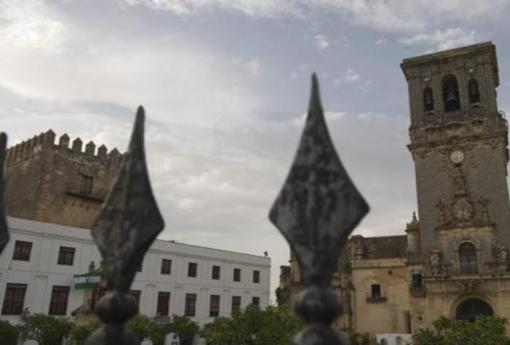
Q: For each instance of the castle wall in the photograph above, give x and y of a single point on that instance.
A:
(56, 183)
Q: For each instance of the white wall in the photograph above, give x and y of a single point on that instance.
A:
(42, 271)
(394, 339)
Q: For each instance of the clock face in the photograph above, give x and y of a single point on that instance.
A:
(457, 157)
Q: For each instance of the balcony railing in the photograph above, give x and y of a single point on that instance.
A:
(376, 299)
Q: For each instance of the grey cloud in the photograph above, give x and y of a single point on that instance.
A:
(217, 191)
(441, 39)
(390, 16)
(218, 150)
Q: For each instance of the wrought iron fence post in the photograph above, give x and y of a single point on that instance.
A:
(4, 231)
(316, 210)
(126, 227)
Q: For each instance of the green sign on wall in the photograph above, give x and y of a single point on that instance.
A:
(86, 281)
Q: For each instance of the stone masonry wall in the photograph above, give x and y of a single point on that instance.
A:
(56, 183)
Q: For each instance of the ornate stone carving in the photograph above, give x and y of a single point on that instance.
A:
(463, 210)
(444, 217)
(501, 256)
(459, 181)
(414, 223)
(435, 262)
(484, 210)
(468, 285)
(465, 237)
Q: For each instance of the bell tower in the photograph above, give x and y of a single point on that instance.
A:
(458, 141)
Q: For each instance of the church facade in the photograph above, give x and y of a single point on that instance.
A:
(453, 259)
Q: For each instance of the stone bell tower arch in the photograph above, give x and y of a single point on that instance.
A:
(459, 145)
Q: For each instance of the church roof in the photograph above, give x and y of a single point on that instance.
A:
(385, 247)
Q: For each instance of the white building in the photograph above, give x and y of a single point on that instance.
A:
(38, 265)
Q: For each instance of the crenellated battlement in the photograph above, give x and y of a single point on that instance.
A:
(59, 180)
(46, 142)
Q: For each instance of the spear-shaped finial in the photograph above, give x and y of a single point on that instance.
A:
(126, 227)
(316, 210)
(318, 205)
(315, 106)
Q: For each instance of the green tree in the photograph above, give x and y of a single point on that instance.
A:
(46, 330)
(253, 326)
(184, 326)
(359, 338)
(142, 326)
(221, 331)
(8, 333)
(145, 327)
(80, 332)
(485, 330)
(158, 336)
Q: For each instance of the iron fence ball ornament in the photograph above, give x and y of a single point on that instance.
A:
(126, 227)
(4, 231)
(316, 210)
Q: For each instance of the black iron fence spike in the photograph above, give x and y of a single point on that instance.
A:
(316, 210)
(124, 230)
(315, 98)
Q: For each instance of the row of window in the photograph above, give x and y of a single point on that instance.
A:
(15, 298)
(451, 99)
(23, 249)
(190, 303)
(166, 269)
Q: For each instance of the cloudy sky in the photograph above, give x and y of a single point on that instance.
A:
(225, 85)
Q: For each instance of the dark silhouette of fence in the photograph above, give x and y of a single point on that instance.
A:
(316, 210)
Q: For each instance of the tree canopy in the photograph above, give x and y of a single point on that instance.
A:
(485, 330)
(253, 326)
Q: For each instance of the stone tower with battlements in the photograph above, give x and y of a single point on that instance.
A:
(58, 182)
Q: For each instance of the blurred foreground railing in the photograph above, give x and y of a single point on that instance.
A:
(316, 210)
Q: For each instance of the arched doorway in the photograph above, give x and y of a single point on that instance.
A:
(470, 308)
